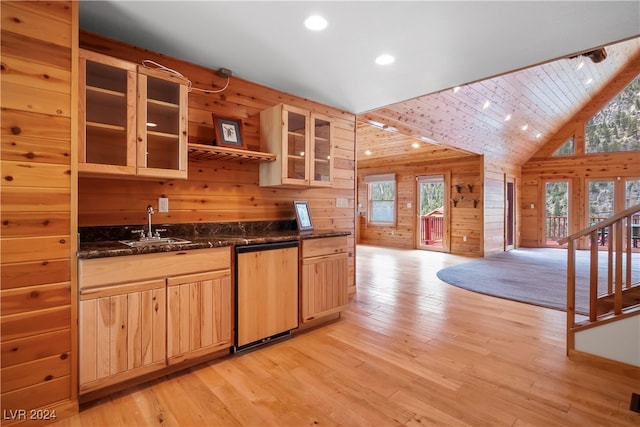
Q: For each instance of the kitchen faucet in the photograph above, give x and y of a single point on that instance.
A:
(149, 213)
(149, 235)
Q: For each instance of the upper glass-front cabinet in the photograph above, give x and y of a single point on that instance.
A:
(108, 101)
(162, 125)
(133, 121)
(321, 146)
(302, 142)
(297, 128)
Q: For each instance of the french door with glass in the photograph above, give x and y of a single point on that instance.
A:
(432, 213)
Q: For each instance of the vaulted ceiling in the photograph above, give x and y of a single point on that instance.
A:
(508, 117)
(437, 44)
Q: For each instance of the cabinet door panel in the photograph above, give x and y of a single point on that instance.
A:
(134, 331)
(118, 349)
(88, 329)
(324, 286)
(158, 325)
(121, 333)
(103, 337)
(107, 114)
(199, 314)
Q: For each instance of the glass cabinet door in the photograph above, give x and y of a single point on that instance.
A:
(108, 102)
(161, 126)
(297, 132)
(322, 161)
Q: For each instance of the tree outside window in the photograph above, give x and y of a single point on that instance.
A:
(382, 201)
(617, 126)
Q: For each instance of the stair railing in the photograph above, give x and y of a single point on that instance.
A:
(620, 232)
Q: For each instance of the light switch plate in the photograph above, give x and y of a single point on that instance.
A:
(163, 205)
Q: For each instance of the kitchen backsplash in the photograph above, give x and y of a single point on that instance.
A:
(123, 232)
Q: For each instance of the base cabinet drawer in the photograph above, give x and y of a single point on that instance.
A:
(122, 333)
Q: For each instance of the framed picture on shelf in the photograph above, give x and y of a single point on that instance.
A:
(228, 132)
(302, 216)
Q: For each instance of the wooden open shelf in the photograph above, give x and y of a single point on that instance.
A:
(212, 152)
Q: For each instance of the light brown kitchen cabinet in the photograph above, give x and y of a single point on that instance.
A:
(128, 312)
(323, 283)
(122, 332)
(198, 315)
(133, 120)
(303, 144)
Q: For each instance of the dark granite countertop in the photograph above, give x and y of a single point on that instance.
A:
(98, 248)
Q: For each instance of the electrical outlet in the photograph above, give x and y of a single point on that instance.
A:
(163, 205)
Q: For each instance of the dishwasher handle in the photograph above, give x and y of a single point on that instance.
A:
(266, 246)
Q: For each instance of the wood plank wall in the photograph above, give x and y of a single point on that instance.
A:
(218, 190)
(496, 173)
(577, 169)
(465, 220)
(38, 211)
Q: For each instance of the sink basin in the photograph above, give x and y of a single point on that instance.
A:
(153, 241)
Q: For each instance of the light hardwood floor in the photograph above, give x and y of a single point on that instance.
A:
(410, 350)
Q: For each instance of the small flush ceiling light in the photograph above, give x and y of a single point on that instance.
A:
(367, 152)
(415, 145)
(385, 59)
(525, 126)
(580, 65)
(315, 23)
(486, 104)
(507, 118)
(456, 89)
(538, 135)
(588, 81)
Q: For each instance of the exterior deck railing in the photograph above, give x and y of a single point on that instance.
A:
(431, 229)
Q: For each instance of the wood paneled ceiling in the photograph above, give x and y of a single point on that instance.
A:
(508, 117)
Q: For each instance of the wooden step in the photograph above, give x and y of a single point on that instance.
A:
(630, 297)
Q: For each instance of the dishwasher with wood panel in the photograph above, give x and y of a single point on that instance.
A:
(266, 293)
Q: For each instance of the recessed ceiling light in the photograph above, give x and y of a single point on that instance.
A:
(580, 65)
(538, 135)
(385, 59)
(367, 152)
(507, 118)
(315, 23)
(415, 145)
(456, 89)
(525, 126)
(486, 104)
(589, 81)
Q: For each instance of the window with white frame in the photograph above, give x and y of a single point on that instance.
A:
(382, 198)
